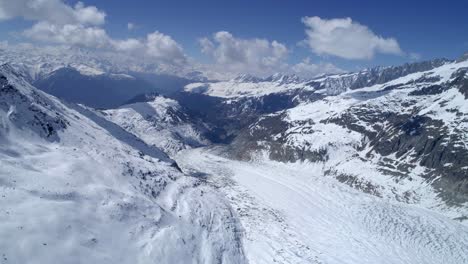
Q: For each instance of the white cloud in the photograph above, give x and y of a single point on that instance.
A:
(89, 15)
(129, 45)
(70, 34)
(235, 55)
(53, 11)
(164, 47)
(56, 22)
(156, 45)
(346, 39)
(307, 69)
(80, 25)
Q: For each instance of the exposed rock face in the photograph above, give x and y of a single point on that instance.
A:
(269, 133)
(160, 122)
(337, 84)
(248, 86)
(405, 124)
(419, 140)
(37, 117)
(227, 117)
(98, 193)
(382, 75)
(461, 81)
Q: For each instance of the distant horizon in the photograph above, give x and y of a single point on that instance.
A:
(46, 50)
(261, 38)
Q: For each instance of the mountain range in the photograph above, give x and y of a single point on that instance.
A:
(100, 164)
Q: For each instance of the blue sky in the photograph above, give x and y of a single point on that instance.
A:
(421, 29)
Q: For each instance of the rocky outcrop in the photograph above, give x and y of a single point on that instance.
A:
(381, 75)
(33, 107)
(403, 130)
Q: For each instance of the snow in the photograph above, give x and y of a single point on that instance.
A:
(323, 137)
(87, 70)
(160, 122)
(35, 62)
(310, 128)
(248, 86)
(235, 89)
(103, 187)
(95, 193)
(450, 107)
(291, 213)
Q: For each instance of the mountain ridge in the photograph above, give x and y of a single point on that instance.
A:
(187, 177)
(97, 192)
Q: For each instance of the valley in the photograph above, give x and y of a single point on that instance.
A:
(275, 170)
(292, 213)
(233, 132)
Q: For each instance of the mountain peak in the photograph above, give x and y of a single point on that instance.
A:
(247, 78)
(283, 78)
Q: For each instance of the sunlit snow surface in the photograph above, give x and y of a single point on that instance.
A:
(93, 193)
(312, 126)
(160, 122)
(291, 213)
(233, 89)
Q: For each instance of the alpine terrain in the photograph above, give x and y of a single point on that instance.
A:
(359, 167)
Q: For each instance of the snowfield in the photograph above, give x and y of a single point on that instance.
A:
(160, 122)
(76, 188)
(343, 130)
(291, 213)
(134, 185)
(234, 89)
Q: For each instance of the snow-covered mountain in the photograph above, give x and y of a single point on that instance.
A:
(35, 62)
(247, 86)
(363, 167)
(77, 188)
(291, 213)
(159, 121)
(250, 86)
(403, 139)
(97, 79)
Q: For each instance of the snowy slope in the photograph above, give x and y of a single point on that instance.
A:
(76, 188)
(160, 122)
(402, 140)
(373, 168)
(246, 86)
(36, 62)
(292, 214)
(94, 78)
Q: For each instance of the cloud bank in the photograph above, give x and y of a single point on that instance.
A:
(80, 25)
(344, 38)
(56, 22)
(52, 11)
(236, 55)
(233, 56)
